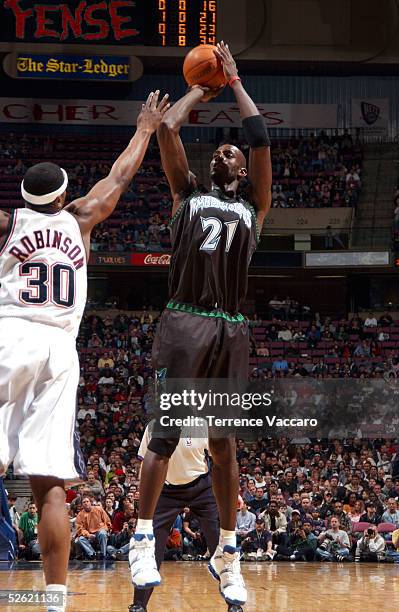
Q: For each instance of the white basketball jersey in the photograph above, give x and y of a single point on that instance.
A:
(43, 271)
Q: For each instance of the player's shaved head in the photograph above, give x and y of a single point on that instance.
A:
(240, 156)
(228, 164)
(237, 152)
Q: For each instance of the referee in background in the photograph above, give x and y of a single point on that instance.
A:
(188, 483)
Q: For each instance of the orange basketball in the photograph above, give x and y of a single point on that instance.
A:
(202, 67)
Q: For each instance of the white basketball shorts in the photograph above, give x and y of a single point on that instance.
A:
(39, 376)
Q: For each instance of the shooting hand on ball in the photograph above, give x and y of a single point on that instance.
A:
(209, 94)
(223, 53)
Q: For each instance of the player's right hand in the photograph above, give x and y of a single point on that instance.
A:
(209, 94)
(152, 113)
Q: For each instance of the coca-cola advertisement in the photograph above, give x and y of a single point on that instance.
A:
(150, 259)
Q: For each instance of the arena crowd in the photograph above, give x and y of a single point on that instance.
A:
(330, 499)
(308, 172)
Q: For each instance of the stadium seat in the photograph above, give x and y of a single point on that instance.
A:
(360, 527)
(385, 528)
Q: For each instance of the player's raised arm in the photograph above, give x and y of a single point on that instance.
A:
(260, 168)
(102, 199)
(173, 155)
(4, 227)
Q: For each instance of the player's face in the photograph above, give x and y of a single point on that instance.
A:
(227, 165)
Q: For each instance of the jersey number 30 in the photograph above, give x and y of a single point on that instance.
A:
(46, 283)
(212, 240)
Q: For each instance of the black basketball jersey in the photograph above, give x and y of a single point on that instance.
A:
(213, 239)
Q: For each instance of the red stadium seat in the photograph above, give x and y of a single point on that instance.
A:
(360, 527)
(385, 528)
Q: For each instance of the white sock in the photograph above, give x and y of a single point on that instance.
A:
(144, 527)
(227, 538)
(57, 606)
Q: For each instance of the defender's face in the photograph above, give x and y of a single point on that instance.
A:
(228, 164)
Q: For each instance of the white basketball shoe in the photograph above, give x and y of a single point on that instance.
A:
(225, 567)
(143, 566)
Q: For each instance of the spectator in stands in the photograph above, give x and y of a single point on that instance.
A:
(344, 519)
(391, 514)
(295, 521)
(118, 543)
(318, 524)
(371, 321)
(275, 522)
(262, 350)
(259, 479)
(275, 307)
(371, 545)
(28, 543)
(357, 511)
(354, 485)
(245, 522)
(285, 333)
(258, 543)
(193, 540)
(92, 528)
(280, 365)
(107, 378)
(305, 508)
(124, 514)
(385, 320)
(249, 494)
(94, 486)
(371, 515)
(259, 503)
(106, 361)
(108, 505)
(14, 515)
(302, 544)
(334, 543)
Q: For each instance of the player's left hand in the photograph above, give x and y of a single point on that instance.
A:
(152, 113)
(223, 53)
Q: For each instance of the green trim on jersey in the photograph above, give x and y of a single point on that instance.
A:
(211, 314)
(177, 213)
(255, 219)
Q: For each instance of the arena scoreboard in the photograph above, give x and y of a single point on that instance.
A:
(156, 23)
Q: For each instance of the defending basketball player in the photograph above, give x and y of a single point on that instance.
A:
(201, 333)
(44, 249)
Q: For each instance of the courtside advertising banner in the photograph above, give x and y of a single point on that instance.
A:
(124, 112)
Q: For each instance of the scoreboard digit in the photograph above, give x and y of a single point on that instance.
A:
(187, 23)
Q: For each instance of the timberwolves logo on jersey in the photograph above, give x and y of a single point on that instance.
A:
(204, 202)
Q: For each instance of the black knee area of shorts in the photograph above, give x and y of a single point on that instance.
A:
(163, 446)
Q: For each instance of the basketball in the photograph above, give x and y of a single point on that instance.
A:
(202, 67)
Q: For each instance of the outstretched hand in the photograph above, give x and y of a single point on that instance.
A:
(152, 113)
(223, 53)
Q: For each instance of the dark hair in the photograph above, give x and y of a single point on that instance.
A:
(43, 178)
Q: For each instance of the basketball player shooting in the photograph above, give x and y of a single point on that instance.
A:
(201, 333)
(44, 249)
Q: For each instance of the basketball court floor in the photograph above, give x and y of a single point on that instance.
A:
(187, 587)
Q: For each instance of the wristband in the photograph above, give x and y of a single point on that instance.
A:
(233, 80)
(255, 132)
